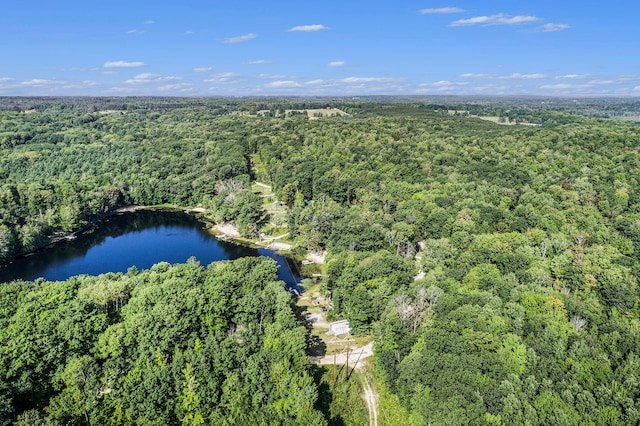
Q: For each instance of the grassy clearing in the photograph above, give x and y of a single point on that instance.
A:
(259, 169)
(315, 114)
(502, 120)
(312, 301)
(276, 213)
(312, 114)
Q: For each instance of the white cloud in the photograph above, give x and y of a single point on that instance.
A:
(259, 62)
(222, 77)
(514, 76)
(571, 77)
(492, 89)
(280, 84)
(202, 69)
(371, 80)
(271, 76)
(135, 32)
(188, 32)
(603, 82)
(624, 78)
(147, 78)
(565, 86)
(6, 79)
(119, 90)
(80, 85)
(498, 19)
(441, 10)
(37, 82)
(444, 83)
(551, 28)
(240, 39)
(519, 76)
(636, 89)
(337, 64)
(149, 22)
(124, 64)
(314, 82)
(180, 87)
(308, 28)
(108, 72)
(441, 86)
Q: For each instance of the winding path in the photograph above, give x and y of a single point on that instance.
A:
(372, 401)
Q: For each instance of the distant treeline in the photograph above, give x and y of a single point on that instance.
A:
(524, 241)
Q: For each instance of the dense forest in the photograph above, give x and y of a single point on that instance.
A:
(183, 343)
(495, 265)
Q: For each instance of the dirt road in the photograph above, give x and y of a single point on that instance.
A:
(355, 356)
(372, 401)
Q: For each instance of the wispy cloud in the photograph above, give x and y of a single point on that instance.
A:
(344, 86)
(441, 10)
(124, 64)
(514, 76)
(270, 76)
(38, 82)
(147, 78)
(498, 19)
(492, 89)
(441, 86)
(135, 32)
(80, 85)
(280, 84)
(119, 90)
(188, 32)
(372, 80)
(337, 64)
(149, 22)
(179, 87)
(603, 82)
(565, 86)
(551, 28)
(624, 78)
(308, 28)
(444, 83)
(259, 62)
(202, 69)
(519, 76)
(571, 77)
(222, 77)
(240, 39)
(5, 79)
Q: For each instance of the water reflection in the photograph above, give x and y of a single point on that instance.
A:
(138, 239)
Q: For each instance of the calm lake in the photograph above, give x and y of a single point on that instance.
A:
(139, 239)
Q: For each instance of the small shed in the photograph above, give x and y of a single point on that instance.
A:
(339, 328)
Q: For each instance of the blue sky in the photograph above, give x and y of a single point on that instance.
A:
(349, 47)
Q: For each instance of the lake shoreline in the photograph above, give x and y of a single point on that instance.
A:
(198, 214)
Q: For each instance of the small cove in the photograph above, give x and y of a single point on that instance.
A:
(139, 239)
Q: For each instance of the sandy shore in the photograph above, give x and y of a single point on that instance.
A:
(279, 246)
(317, 257)
(227, 230)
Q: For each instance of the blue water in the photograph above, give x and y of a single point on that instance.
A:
(139, 239)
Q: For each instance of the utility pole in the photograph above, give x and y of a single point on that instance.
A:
(334, 366)
(347, 361)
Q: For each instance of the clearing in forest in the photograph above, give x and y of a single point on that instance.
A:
(326, 347)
